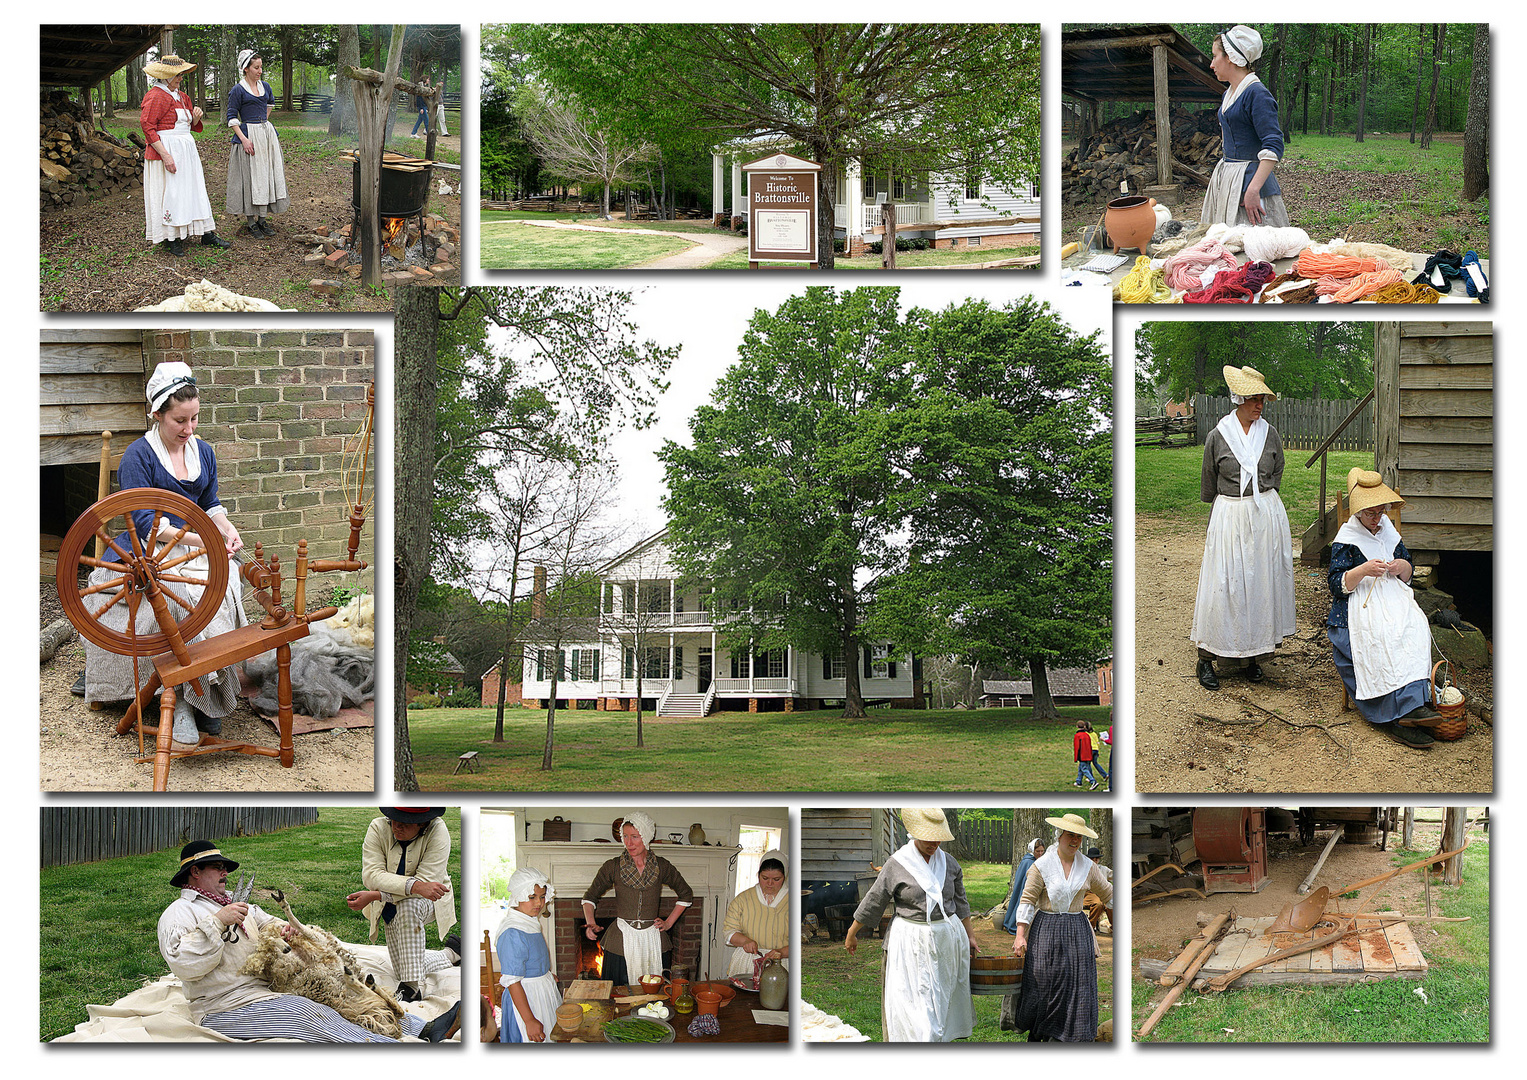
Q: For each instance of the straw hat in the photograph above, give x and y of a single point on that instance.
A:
(926, 823)
(1071, 823)
(1365, 490)
(167, 67)
(1247, 382)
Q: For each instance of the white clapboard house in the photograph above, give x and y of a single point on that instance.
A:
(653, 621)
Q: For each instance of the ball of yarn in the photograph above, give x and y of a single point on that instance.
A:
(1450, 695)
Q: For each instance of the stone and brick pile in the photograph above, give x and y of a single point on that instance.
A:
(335, 251)
(78, 162)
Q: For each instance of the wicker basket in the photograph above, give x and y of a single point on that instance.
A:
(1454, 723)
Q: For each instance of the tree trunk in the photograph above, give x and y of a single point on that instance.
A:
(227, 64)
(286, 68)
(371, 103)
(1415, 105)
(1454, 824)
(342, 115)
(1101, 821)
(1044, 704)
(853, 696)
(888, 247)
(1438, 33)
(551, 712)
(1362, 93)
(1408, 835)
(503, 684)
(1476, 133)
(416, 326)
(638, 654)
(827, 191)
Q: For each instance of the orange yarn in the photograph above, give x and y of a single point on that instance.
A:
(1366, 284)
(1314, 265)
(1405, 293)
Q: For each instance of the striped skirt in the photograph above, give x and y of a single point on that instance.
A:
(1059, 999)
(288, 1016)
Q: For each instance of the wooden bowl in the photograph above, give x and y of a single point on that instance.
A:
(569, 1016)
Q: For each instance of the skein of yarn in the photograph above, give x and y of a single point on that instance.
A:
(1384, 253)
(1234, 286)
(1366, 284)
(1314, 265)
(1143, 285)
(1405, 292)
(1183, 270)
(1261, 243)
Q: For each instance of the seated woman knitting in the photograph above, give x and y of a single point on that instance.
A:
(1380, 641)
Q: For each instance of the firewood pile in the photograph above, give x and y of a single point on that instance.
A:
(1125, 150)
(77, 162)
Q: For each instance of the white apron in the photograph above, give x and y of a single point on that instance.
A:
(267, 171)
(644, 950)
(1391, 641)
(927, 982)
(184, 201)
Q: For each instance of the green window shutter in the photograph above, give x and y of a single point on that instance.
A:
(868, 661)
(826, 667)
(678, 661)
(540, 665)
(891, 668)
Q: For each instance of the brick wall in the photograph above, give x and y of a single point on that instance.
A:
(278, 407)
(1004, 240)
(570, 939)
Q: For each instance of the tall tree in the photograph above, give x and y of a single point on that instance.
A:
(576, 148)
(787, 498)
(1362, 93)
(637, 610)
(1476, 132)
(342, 115)
(938, 98)
(1438, 33)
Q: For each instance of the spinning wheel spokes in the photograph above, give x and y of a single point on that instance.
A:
(141, 573)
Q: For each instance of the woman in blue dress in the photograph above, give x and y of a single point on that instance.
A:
(1036, 849)
(1243, 189)
(256, 169)
(531, 995)
(1382, 645)
(171, 457)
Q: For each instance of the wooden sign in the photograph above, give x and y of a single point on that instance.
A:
(782, 209)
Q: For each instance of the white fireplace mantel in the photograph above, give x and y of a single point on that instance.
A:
(710, 871)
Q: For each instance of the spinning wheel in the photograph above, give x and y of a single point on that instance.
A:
(146, 571)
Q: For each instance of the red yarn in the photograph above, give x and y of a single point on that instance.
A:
(1234, 286)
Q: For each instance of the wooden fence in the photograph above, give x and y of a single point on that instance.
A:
(80, 834)
(985, 840)
(1302, 425)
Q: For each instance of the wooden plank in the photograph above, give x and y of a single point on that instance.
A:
(1450, 538)
(1376, 955)
(1446, 429)
(82, 389)
(1446, 329)
(1423, 455)
(1386, 414)
(1443, 511)
(1451, 403)
(117, 335)
(1346, 956)
(1407, 954)
(100, 358)
(81, 449)
(1476, 484)
(1447, 377)
(78, 419)
(1320, 961)
(1301, 962)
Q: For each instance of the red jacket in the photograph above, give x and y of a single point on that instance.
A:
(1081, 746)
(158, 114)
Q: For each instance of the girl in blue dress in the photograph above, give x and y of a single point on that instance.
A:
(171, 457)
(531, 994)
(1243, 189)
(256, 169)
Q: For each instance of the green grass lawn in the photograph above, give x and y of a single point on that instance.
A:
(1457, 986)
(508, 246)
(890, 750)
(304, 137)
(97, 920)
(1167, 481)
(905, 260)
(849, 984)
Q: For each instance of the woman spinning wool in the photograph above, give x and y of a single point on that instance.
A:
(928, 948)
(1380, 641)
(637, 944)
(1059, 999)
(758, 920)
(256, 170)
(1245, 605)
(172, 458)
(1243, 189)
(175, 203)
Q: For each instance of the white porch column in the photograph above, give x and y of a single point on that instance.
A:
(854, 188)
(739, 190)
(717, 186)
(672, 610)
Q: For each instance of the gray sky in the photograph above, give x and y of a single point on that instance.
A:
(708, 317)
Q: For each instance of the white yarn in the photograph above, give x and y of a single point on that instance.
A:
(1261, 243)
(1451, 696)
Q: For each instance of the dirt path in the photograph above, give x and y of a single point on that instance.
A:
(80, 751)
(1241, 748)
(95, 257)
(708, 247)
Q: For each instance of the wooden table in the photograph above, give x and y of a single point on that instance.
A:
(737, 1023)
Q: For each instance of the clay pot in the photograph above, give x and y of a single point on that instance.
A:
(1131, 222)
(709, 1002)
(651, 984)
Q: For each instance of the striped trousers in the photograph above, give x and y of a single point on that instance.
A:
(411, 961)
(291, 1017)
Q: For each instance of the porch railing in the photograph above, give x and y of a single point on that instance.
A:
(756, 685)
(907, 213)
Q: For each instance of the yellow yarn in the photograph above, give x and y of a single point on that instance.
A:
(1404, 293)
(1142, 285)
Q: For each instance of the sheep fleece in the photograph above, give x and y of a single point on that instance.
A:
(316, 966)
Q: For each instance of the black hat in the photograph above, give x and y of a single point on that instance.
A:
(412, 815)
(199, 853)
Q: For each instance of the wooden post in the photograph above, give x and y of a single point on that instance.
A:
(1304, 886)
(1453, 823)
(103, 484)
(432, 104)
(1386, 400)
(284, 703)
(1176, 992)
(1409, 833)
(1163, 115)
(373, 98)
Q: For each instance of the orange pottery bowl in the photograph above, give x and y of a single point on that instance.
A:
(709, 1002)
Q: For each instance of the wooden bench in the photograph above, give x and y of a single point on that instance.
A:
(469, 759)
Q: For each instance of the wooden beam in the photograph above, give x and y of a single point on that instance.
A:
(1386, 407)
(1176, 992)
(1304, 886)
(1175, 970)
(1163, 99)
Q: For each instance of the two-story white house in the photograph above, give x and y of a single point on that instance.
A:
(653, 623)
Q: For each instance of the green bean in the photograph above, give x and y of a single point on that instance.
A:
(635, 1030)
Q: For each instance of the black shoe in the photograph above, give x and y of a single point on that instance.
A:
(211, 239)
(175, 247)
(1206, 677)
(408, 992)
(453, 942)
(1254, 672)
(78, 689)
(1420, 714)
(443, 1026)
(208, 725)
(1414, 738)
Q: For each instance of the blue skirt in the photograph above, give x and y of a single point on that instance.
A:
(1379, 710)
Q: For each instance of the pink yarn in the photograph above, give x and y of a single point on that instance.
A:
(1234, 286)
(1182, 270)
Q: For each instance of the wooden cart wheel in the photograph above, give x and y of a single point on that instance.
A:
(143, 568)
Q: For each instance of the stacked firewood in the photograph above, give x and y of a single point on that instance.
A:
(78, 162)
(1125, 150)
